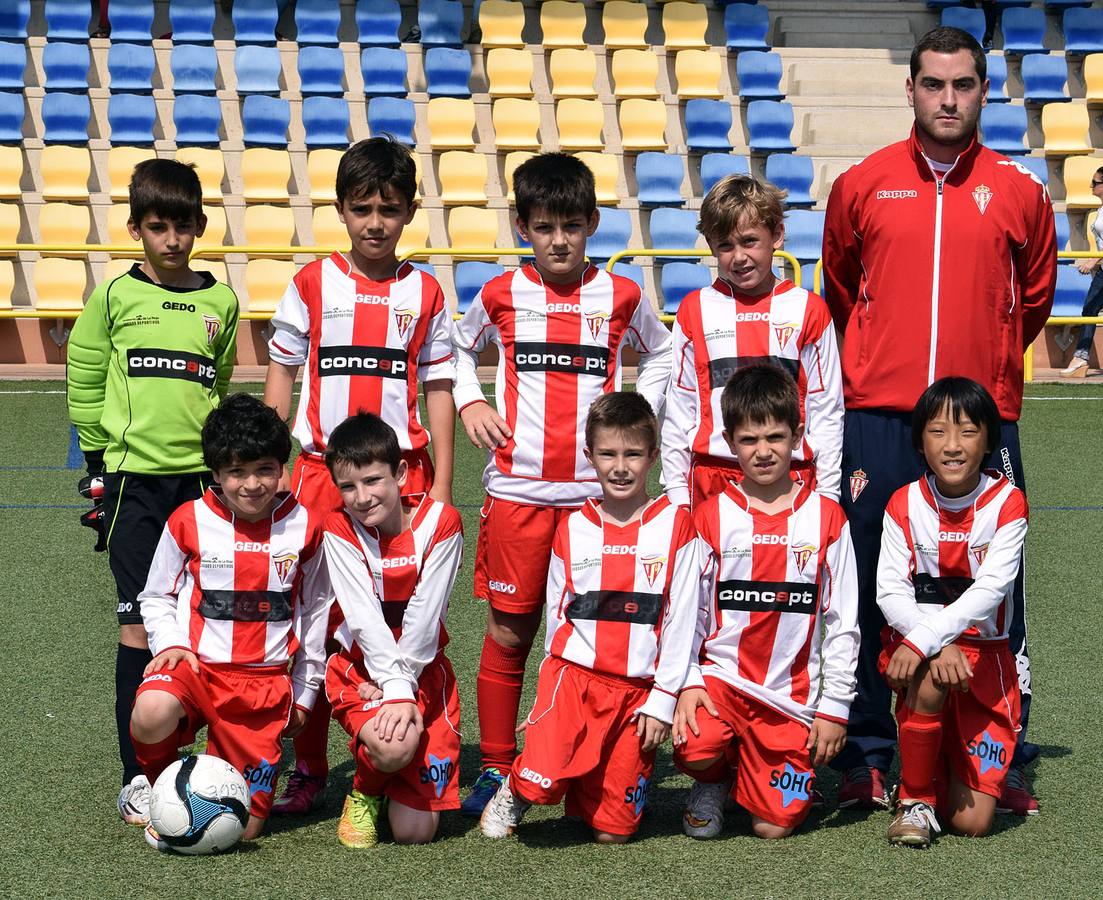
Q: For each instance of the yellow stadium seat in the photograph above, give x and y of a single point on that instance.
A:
(416, 234)
(513, 159)
(698, 74)
(65, 172)
(516, 124)
(509, 72)
(501, 23)
(60, 283)
(209, 167)
(214, 235)
(643, 125)
(120, 166)
(625, 24)
(606, 171)
(63, 223)
(7, 282)
(321, 170)
(684, 25)
(215, 266)
(117, 234)
(1093, 77)
(328, 229)
(9, 223)
(470, 226)
(635, 74)
(265, 282)
(11, 172)
(269, 226)
(1078, 172)
(562, 22)
(117, 266)
(451, 123)
(580, 123)
(463, 177)
(573, 73)
(1065, 129)
(265, 174)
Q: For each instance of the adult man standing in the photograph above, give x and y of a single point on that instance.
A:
(939, 258)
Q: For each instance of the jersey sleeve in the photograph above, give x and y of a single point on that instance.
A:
(895, 567)
(88, 354)
(312, 615)
(557, 590)
(227, 348)
(824, 401)
(161, 596)
(290, 339)
(648, 335)
(682, 400)
(839, 582)
(705, 622)
(472, 334)
(842, 253)
(1036, 262)
(436, 361)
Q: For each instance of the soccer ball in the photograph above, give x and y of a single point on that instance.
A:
(200, 804)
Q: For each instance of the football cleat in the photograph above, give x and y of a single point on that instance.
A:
(359, 825)
(863, 787)
(304, 794)
(134, 801)
(912, 825)
(486, 786)
(503, 813)
(1016, 797)
(704, 815)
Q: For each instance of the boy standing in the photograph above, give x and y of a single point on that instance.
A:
(149, 357)
(782, 617)
(560, 326)
(624, 592)
(368, 329)
(748, 316)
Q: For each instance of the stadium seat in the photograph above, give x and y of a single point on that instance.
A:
(573, 73)
(65, 172)
(759, 74)
(257, 69)
(676, 279)
(1065, 129)
(614, 231)
(448, 72)
(794, 174)
(214, 235)
(216, 267)
(1064, 232)
(197, 120)
(425, 267)
(192, 22)
(635, 74)
(327, 228)
(469, 277)
(9, 223)
(265, 120)
(970, 20)
(769, 126)
(1037, 166)
(715, 166)
(326, 121)
(745, 26)
(13, 62)
(804, 234)
(131, 21)
(451, 123)
(1093, 78)
(415, 235)
(501, 23)
(684, 25)
(265, 282)
(65, 66)
(7, 282)
(1023, 30)
(63, 223)
(625, 24)
(267, 225)
(130, 67)
(13, 19)
(1077, 173)
(516, 124)
(698, 73)
(631, 272)
(606, 169)
(643, 125)
(265, 174)
(66, 20)
(1068, 296)
(1083, 31)
(131, 117)
(321, 70)
(193, 69)
(708, 124)
(562, 23)
(255, 21)
(394, 116)
(1045, 78)
(472, 226)
(384, 70)
(209, 166)
(514, 158)
(509, 72)
(60, 284)
(378, 22)
(997, 78)
(11, 173)
(580, 123)
(463, 178)
(316, 22)
(118, 214)
(659, 179)
(441, 22)
(673, 229)
(1003, 128)
(11, 119)
(321, 172)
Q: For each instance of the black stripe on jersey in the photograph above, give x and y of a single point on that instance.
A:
(939, 589)
(768, 596)
(394, 611)
(382, 362)
(574, 359)
(720, 370)
(246, 606)
(616, 606)
(154, 363)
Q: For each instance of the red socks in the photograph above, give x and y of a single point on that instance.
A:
(501, 675)
(920, 749)
(312, 742)
(155, 758)
(368, 780)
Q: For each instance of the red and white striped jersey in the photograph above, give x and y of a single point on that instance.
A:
(246, 593)
(948, 566)
(365, 344)
(559, 349)
(393, 591)
(623, 599)
(784, 603)
(718, 331)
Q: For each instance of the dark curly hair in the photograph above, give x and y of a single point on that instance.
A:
(242, 429)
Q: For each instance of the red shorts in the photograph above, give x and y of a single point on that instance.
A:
(774, 778)
(581, 742)
(245, 710)
(979, 726)
(709, 475)
(431, 781)
(314, 488)
(513, 553)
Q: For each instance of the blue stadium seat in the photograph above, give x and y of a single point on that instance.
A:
(265, 120)
(428, 268)
(659, 179)
(470, 276)
(255, 21)
(394, 116)
(326, 120)
(1023, 31)
(64, 118)
(14, 15)
(715, 166)
(258, 69)
(192, 21)
(448, 72)
(193, 69)
(970, 20)
(321, 70)
(378, 22)
(1064, 232)
(745, 26)
(628, 270)
(614, 230)
(441, 22)
(197, 120)
(1068, 297)
(1003, 128)
(130, 67)
(11, 119)
(1045, 78)
(13, 60)
(804, 234)
(673, 229)
(131, 21)
(67, 20)
(1037, 166)
(676, 279)
(384, 71)
(794, 174)
(708, 123)
(66, 66)
(131, 117)
(759, 75)
(769, 126)
(1083, 31)
(317, 21)
(997, 78)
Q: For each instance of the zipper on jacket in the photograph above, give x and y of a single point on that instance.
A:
(940, 180)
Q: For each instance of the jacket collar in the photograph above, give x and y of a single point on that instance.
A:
(962, 165)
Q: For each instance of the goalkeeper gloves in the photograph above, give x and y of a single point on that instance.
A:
(91, 488)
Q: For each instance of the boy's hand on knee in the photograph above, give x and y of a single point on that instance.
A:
(950, 669)
(484, 427)
(685, 713)
(296, 722)
(652, 732)
(168, 659)
(902, 666)
(825, 740)
(395, 720)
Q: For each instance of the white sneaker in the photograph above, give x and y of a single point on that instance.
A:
(134, 801)
(704, 815)
(913, 824)
(503, 813)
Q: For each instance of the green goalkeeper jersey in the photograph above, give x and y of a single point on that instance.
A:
(146, 364)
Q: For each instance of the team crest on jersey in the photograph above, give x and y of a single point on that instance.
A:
(214, 326)
(403, 318)
(982, 196)
(784, 332)
(802, 553)
(979, 552)
(283, 564)
(596, 321)
(652, 567)
(858, 482)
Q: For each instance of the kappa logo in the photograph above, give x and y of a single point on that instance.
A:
(1025, 171)
(897, 195)
(652, 567)
(982, 196)
(784, 332)
(596, 321)
(858, 483)
(213, 325)
(802, 553)
(437, 772)
(283, 564)
(403, 318)
(979, 551)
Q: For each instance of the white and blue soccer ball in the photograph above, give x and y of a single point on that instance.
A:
(199, 805)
